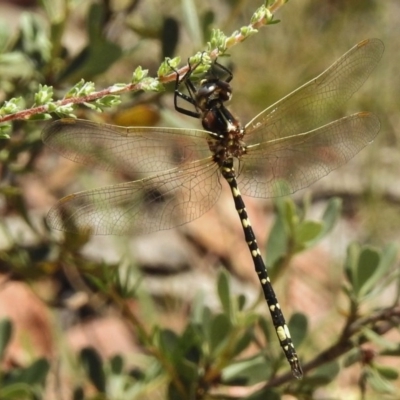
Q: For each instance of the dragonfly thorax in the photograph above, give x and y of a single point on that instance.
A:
(226, 141)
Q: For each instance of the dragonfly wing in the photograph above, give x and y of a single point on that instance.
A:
(162, 201)
(316, 101)
(282, 166)
(116, 148)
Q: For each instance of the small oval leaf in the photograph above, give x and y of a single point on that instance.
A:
(298, 326)
(387, 372)
(224, 293)
(307, 231)
(93, 366)
(220, 331)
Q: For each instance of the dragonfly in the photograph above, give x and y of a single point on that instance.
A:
(286, 147)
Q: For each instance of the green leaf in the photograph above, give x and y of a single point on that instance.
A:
(247, 31)
(93, 366)
(139, 74)
(168, 342)
(12, 106)
(34, 39)
(331, 215)
(187, 371)
(307, 231)
(197, 308)
(386, 372)
(190, 345)
(92, 106)
(352, 357)
(65, 110)
(392, 352)
(378, 340)
(16, 65)
(40, 117)
(224, 293)
(350, 265)
(322, 376)
(217, 41)
(15, 391)
(35, 373)
(277, 245)
(288, 211)
(6, 330)
(365, 267)
(5, 130)
(220, 330)
(44, 95)
(298, 326)
(328, 371)
(387, 259)
(5, 34)
(117, 364)
(241, 302)
(246, 372)
(82, 88)
(187, 355)
(152, 85)
(206, 320)
(202, 61)
(377, 382)
(360, 264)
(262, 14)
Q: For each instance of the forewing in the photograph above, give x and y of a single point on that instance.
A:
(316, 101)
(115, 148)
(160, 202)
(284, 165)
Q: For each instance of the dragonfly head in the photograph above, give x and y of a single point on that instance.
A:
(211, 92)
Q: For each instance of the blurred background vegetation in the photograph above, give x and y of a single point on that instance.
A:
(155, 317)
